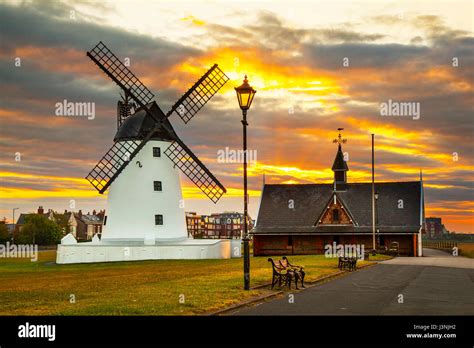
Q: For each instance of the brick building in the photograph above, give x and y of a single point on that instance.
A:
(218, 226)
(435, 228)
(303, 219)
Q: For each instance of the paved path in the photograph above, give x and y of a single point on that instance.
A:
(433, 257)
(437, 284)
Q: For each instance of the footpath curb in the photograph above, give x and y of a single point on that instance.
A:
(247, 302)
(264, 297)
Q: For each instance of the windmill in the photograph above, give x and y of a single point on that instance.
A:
(145, 200)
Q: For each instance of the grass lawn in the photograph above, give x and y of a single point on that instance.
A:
(137, 288)
(466, 249)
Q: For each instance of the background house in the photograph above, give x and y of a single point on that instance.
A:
(82, 226)
(24, 217)
(435, 228)
(218, 226)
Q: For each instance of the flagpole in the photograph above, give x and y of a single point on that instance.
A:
(373, 195)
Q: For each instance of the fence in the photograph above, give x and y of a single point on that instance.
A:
(443, 245)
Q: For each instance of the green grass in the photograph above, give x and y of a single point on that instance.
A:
(136, 288)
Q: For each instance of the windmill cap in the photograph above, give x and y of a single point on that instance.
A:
(138, 125)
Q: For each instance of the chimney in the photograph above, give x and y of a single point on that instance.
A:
(80, 213)
(40, 210)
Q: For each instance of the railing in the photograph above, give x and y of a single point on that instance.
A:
(443, 245)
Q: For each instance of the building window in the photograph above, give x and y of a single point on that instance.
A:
(156, 152)
(335, 215)
(157, 186)
(158, 219)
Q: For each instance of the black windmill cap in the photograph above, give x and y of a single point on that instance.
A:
(138, 125)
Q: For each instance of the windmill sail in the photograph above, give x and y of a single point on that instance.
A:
(122, 152)
(108, 62)
(192, 167)
(110, 165)
(199, 94)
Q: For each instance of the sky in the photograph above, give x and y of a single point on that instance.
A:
(316, 66)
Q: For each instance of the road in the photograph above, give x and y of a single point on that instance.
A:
(436, 284)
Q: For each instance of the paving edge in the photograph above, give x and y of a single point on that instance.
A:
(274, 294)
(247, 302)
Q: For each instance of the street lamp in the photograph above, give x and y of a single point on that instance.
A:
(376, 196)
(245, 94)
(14, 225)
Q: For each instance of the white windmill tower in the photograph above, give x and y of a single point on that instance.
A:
(144, 205)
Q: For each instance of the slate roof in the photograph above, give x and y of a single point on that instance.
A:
(275, 217)
(90, 219)
(22, 218)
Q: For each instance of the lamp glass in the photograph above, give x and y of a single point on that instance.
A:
(245, 94)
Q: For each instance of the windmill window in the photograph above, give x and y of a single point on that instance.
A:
(335, 215)
(157, 186)
(156, 152)
(158, 219)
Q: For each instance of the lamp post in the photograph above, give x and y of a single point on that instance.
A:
(245, 94)
(373, 198)
(376, 196)
(14, 225)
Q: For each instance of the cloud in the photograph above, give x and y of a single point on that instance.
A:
(293, 68)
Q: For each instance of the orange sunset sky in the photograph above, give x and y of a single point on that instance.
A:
(293, 53)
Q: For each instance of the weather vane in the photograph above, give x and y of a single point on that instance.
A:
(339, 139)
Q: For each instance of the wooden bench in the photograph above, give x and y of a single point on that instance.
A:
(349, 263)
(284, 273)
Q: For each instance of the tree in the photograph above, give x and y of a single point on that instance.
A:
(4, 235)
(38, 229)
(63, 221)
